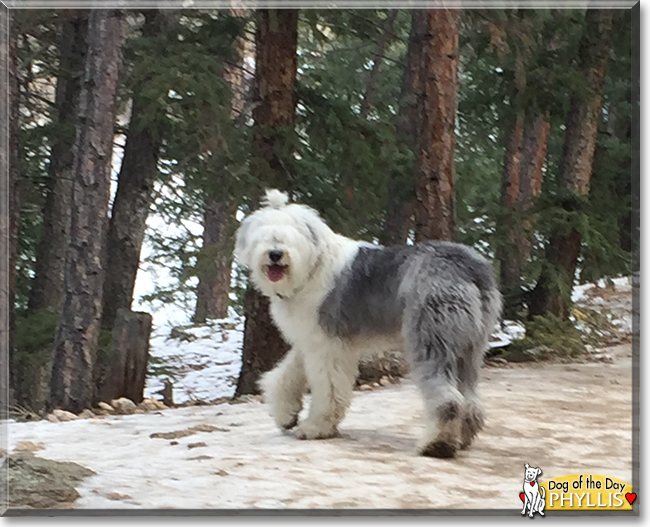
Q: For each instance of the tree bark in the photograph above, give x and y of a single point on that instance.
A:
(134, 195)
(434, 208)
(386, 35)
(219, 224)
(401, 190)
(508, 252)
(72, 386)
(128, 357)
(215, 261)
(47, 287)
(9, 203)
(521, 184)
(275, 83)
(553, 290)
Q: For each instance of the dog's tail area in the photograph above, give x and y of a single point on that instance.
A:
(542, 492)
(275, 199)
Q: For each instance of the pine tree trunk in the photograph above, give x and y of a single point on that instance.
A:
(508, 252)
(275, 83)
(72, 386)
(534, 150)
(521, 184)
(215, 261)
(133, 198)
(9, 205)
(434, 208)
(378, 59)
(401, 192)
(219, 224)
(553, 290)
(128, 358)
(47, 287)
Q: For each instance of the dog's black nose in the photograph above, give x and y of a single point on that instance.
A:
(275, 255)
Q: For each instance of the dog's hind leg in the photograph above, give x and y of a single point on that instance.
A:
(331, 370)
(473, 415)
(284, 387)
(431, 340)
(433, 366)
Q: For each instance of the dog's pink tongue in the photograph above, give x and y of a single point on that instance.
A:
(276, 272)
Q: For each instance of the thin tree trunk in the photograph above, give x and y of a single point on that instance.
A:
(219, 223)
(401, 190)
(10, 200)
(553, 290)
(134, 195)
(47, 287)
(215, 261)
(434, 208)
(275, 81)
(75, 347)
(386, 35)
(534, 150)
(508, 252)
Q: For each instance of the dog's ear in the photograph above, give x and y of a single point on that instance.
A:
(526, 466)
(539, 471)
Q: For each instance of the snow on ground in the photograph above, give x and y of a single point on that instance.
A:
(550, 415)
(203, 363)
(563, 418)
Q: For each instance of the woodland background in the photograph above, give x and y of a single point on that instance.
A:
(507, 130)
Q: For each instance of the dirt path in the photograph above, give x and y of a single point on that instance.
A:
(564, 418)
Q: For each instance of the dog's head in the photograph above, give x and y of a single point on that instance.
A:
(281, 244)
(531, 473)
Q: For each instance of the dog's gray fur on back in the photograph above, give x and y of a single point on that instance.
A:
(444, 300)
(439, 300)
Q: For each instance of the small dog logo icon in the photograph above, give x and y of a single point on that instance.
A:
(533, 499)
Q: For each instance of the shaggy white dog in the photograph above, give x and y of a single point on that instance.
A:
(334, 298)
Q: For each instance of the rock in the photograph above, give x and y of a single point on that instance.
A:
(196, 445)
(151, 405)
(64, 415)
(123, 406)
(105, 406)
(28, 447)
(384, 381)
(180, 334)
(52, 418)
(87, 414)
(42, 483)
(365, 388)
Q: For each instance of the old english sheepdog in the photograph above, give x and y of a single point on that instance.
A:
(334, 298)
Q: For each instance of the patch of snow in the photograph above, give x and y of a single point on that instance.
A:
(205, 368)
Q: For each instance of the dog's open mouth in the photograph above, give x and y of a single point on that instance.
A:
(276, 272)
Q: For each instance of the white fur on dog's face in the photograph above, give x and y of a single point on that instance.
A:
(286, 235)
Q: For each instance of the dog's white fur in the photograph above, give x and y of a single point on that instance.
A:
(533, 498)
(446, 317)
(327, 366)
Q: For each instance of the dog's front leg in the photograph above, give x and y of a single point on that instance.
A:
(284, 387)
(330, 371)
(526, 502)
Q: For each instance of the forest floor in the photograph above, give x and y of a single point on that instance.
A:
(565, 417)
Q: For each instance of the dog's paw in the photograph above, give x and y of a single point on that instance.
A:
(307, 430)
(287, 424)
(439, 449)
(472, 423)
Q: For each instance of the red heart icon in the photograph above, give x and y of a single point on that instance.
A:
(630, 497)
(532, 483)
(521, 495)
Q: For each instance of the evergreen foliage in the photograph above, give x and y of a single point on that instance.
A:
(343, 160)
